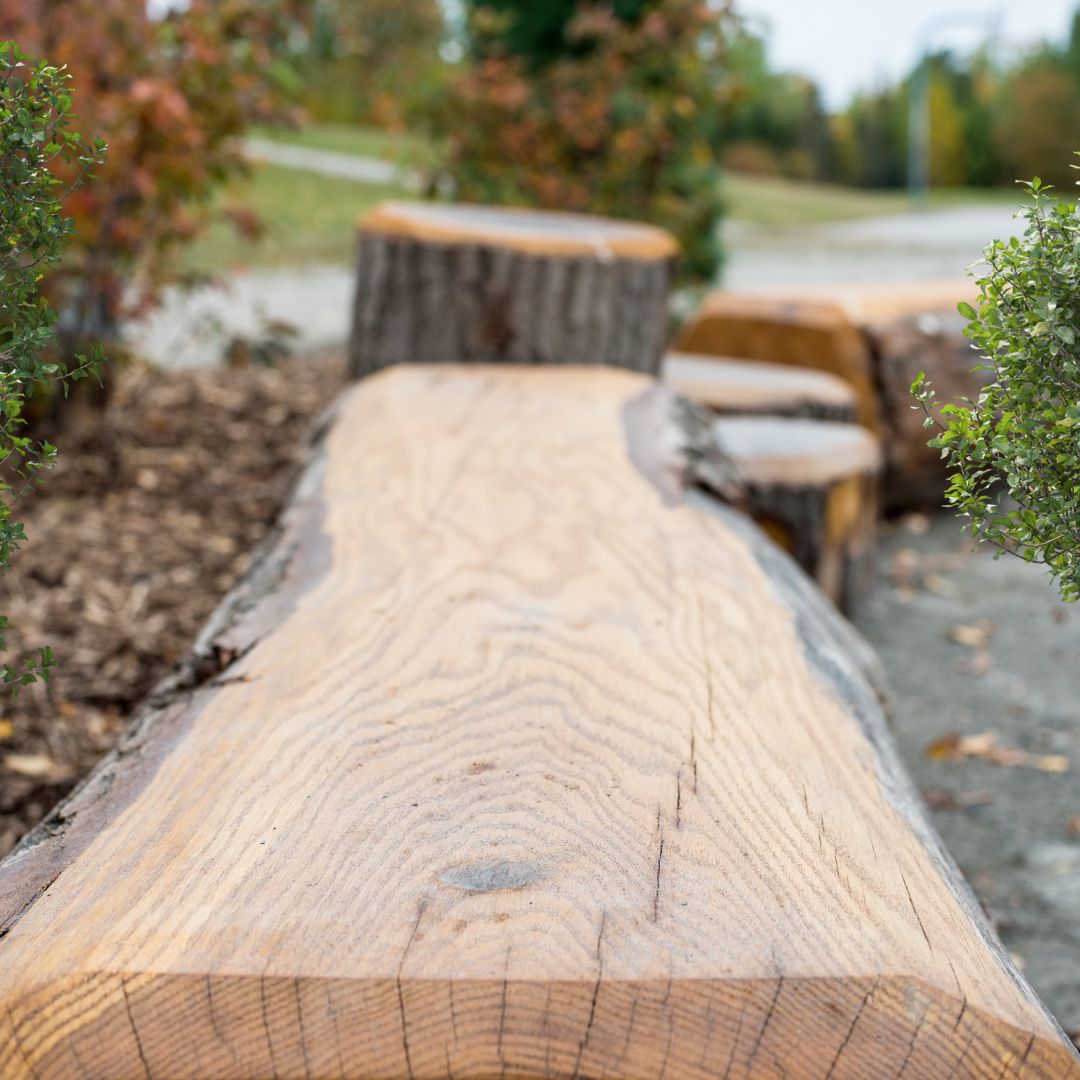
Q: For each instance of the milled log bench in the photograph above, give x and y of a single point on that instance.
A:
(456, 283)
(516, 756)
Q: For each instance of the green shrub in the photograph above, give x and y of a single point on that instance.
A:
(35, 103)
(1014, 453)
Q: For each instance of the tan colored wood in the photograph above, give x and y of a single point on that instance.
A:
(803, 333)
(443, 283)
(514, 759)
(538, 232)
(905, 328)
(730, 386)
(882, 302)
(815, 487)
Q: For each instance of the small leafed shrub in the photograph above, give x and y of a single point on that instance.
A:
(35, 103)
(1014, 453)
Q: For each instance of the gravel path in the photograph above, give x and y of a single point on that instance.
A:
(973, 645)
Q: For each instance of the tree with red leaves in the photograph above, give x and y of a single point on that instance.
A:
(172, 96)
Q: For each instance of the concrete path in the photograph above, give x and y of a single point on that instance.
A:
(936, 244)
(364, 170)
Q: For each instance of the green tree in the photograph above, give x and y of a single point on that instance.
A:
(1014, 453)
(1039, 119)
(35, 108)
(628, 123)
(366, 61)
(537, 33)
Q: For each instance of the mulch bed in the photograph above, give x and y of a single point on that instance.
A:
(150, 518)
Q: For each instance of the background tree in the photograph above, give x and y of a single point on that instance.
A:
(1039, 121)
(368, 61)
(620, 112)
(35, 106)
(171, 97)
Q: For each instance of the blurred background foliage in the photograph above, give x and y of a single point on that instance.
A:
(632, 108)
(612, 109)
(170, 96)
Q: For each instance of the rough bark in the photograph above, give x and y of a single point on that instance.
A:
(430, 301)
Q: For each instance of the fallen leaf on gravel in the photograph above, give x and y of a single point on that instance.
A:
(1052, 763)
(33, 765)
(984, 746)
(944, 799)
(974, 635)
(1073, 827)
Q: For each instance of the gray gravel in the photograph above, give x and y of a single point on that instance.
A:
(1018, 843)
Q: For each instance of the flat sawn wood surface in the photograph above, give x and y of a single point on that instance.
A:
(527, 764)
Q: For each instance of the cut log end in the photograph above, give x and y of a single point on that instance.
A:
(477, 285)
(740, 387)
(814, 487)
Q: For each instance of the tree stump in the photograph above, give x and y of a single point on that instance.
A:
(814, 488)
(802, 333)
(441, 283)
(512, 757)
(911, 328)
(739, 387)
(877, 338)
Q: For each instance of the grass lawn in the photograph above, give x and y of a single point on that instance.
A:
(782, 203)
(309, 219)
(362, 141)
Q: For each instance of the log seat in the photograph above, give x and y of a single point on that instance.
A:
(456, 283)
(740, 387)
(515, 755)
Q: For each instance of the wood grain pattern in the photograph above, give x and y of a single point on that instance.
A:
(525, 764)
(461, 284)
(538, 232)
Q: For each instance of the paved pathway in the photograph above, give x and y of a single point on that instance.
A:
(364, 170)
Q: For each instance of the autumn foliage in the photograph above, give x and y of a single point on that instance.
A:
(170, 96)
(626, 120)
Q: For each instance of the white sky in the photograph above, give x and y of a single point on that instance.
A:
(849, 45)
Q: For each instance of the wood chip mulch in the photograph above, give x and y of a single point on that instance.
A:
(150, 517)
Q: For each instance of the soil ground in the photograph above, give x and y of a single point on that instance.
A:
(972, 646)
(132, 544)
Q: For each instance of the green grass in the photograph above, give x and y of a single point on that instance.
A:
(362, 141)
(779, 203)
(309, 219)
